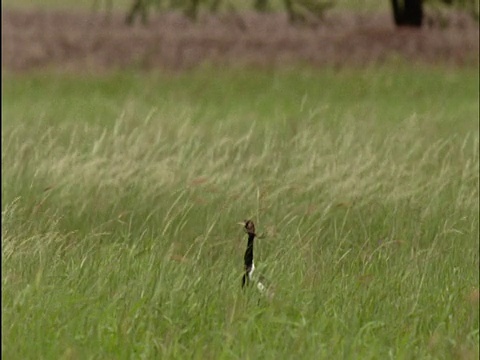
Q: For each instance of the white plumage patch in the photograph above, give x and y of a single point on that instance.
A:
(251, 271)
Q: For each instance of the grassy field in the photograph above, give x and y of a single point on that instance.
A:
(121, 193)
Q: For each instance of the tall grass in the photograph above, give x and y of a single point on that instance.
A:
(120, 241)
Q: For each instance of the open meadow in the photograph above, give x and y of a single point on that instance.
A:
(129, 155)
(121, 194)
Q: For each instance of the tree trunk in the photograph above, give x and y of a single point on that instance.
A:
(407, 12)
(139, 6)
(260, 5)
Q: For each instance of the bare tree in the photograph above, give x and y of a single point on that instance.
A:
(297, 10)
(139, 7)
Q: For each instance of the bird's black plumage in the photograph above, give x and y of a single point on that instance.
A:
(248, 258)
(249, 267)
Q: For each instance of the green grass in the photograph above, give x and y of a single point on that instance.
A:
(121, 193)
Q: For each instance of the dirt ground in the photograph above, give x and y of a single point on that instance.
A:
(91, 42)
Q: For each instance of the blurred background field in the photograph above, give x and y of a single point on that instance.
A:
(122, 183)
(123, 5)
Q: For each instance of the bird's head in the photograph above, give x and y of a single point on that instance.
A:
(248, 226)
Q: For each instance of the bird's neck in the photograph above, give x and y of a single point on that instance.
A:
(249, 251)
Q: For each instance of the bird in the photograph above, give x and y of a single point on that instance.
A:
(249, 264)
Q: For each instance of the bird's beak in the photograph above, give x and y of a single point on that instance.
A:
(241, 223)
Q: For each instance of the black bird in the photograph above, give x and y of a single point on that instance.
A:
(249, 268)
(248, 258)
